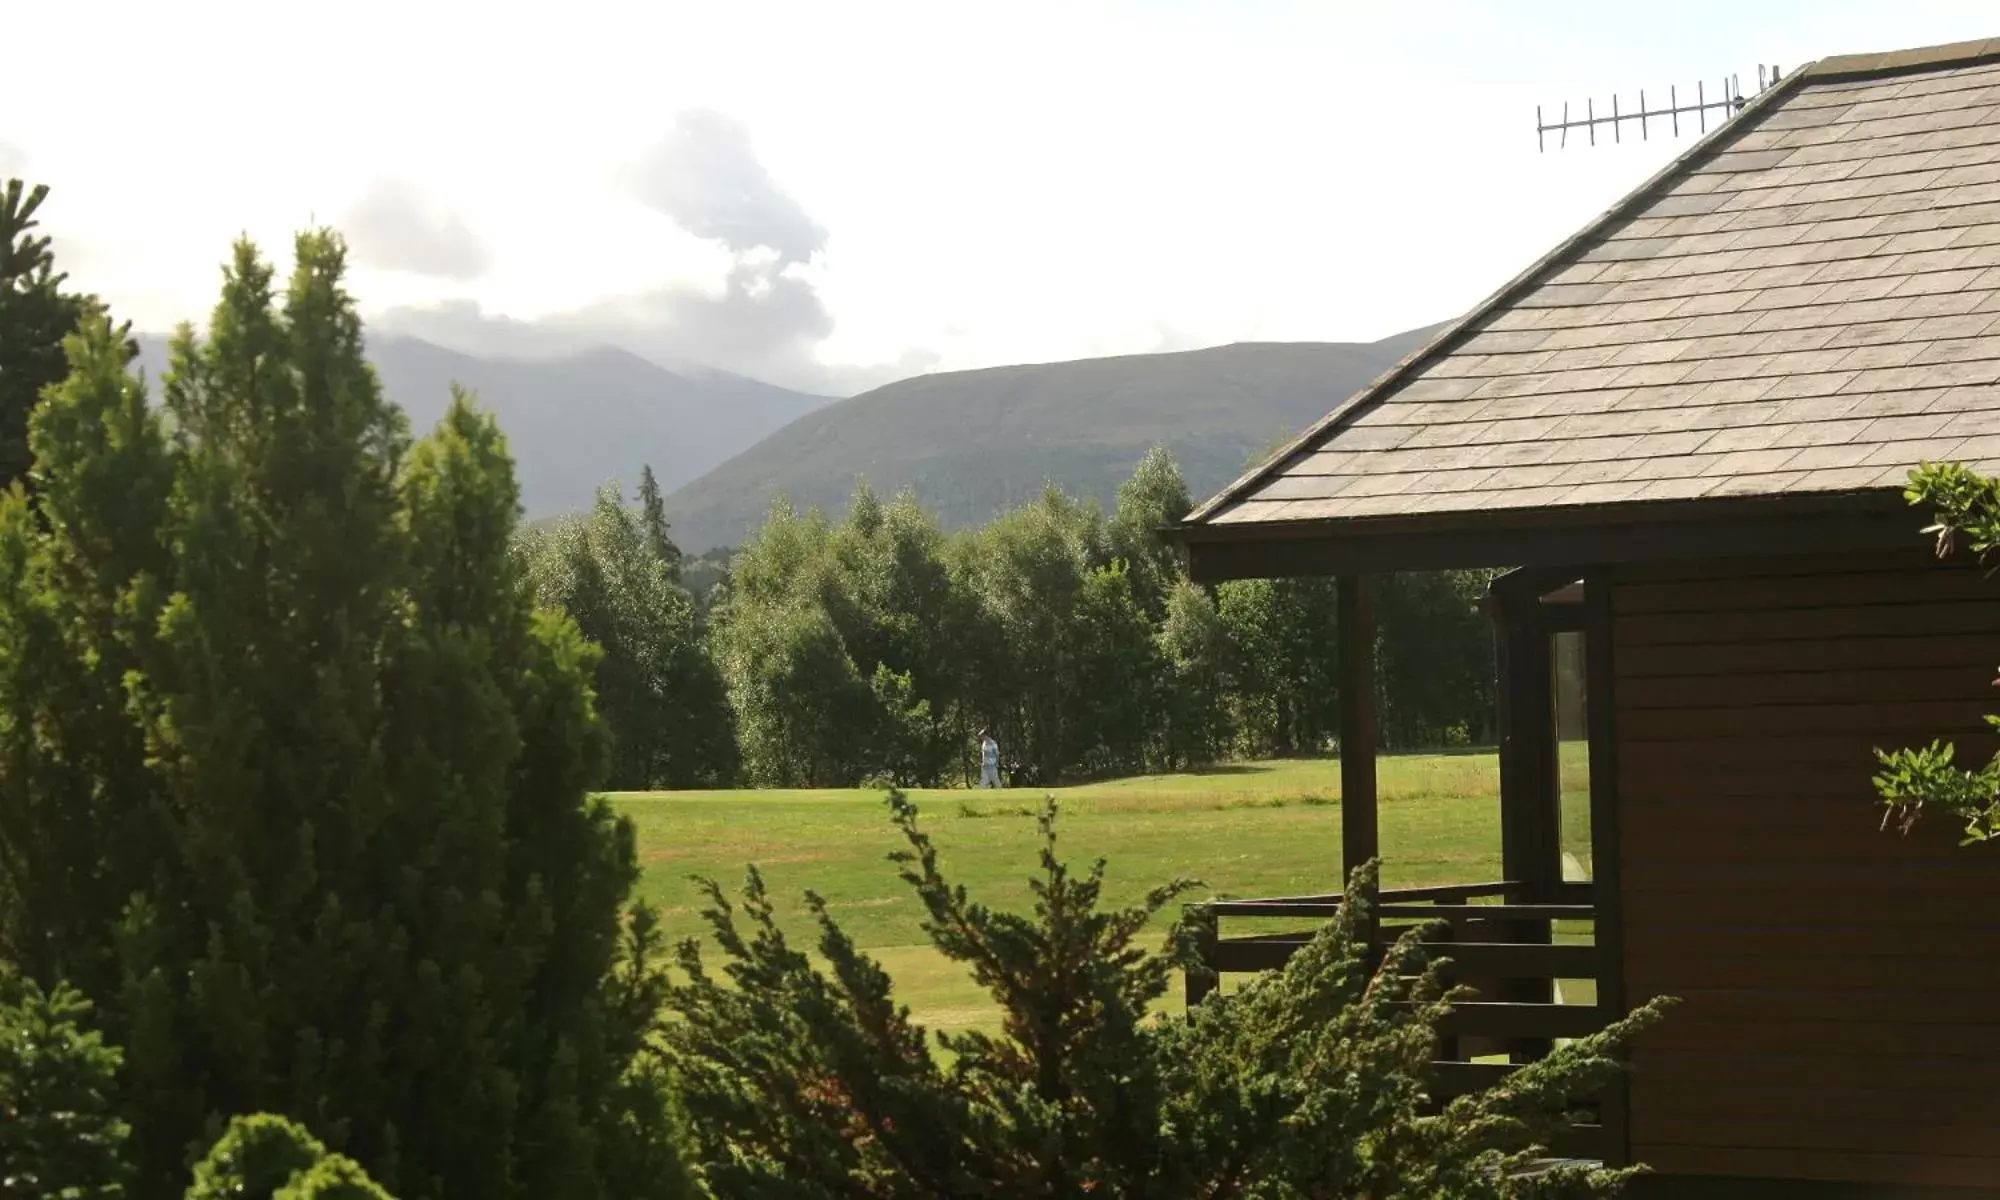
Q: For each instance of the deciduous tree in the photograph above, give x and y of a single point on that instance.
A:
(1966, 508)
(613, 571)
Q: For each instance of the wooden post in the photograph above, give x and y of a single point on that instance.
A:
(1201, 980)
(1359, 837)
(1606, 848)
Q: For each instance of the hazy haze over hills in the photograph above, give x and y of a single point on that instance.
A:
(973, 442)
(575, 421)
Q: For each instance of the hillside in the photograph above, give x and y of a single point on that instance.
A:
(574, 422)
(973, 442)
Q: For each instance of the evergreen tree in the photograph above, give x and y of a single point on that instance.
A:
(298, 782)
(58, 1134)
(36, 314)
(653, 515)
(266, 1157)
(1312, 1081)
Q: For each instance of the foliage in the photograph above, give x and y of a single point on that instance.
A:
(36, 314)
(839, 645)
(297, 780)
(59, 1138)
(614, 572)
(653, 519)
(805, 1082)
(877, 647)
(1966, 507)
(1153, 500)
(1285, 634)
(1434, 660)
(1197, 657)
(266, 1157)
(1115, 687)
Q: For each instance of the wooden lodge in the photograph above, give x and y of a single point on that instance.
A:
(1686, 432)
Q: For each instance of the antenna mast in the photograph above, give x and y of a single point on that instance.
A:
(1730, 101)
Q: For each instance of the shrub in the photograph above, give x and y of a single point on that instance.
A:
(58, 1135)
(266, 1157)
(1309, 1082)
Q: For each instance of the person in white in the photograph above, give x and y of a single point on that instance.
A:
(989, 761)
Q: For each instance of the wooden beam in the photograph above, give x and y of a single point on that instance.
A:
(1522, 1020)
(1485, 960)
(1490, 912)
(1359, 833)
(1606, 846)
(1280, 550)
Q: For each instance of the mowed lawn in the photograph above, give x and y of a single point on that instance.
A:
(1256, 829)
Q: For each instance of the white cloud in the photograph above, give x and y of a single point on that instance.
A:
(397, 228)
(985, 183)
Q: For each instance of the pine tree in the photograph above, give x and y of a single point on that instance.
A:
(58, 1134)
(35, 315)
(298, 777)
(653, 512)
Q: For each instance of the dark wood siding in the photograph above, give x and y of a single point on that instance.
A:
(1840, 985)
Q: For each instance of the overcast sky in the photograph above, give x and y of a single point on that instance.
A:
(828, 195)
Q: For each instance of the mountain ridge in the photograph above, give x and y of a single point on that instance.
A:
(575, 421)
(972, 443)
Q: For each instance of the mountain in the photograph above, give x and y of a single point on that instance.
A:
(576, 421)
(971, 443)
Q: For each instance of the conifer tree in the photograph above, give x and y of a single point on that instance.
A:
(264, 1157)
(36, 313)
(1312, 1081)
(297, 776)
(653, 515)
(58, 1134)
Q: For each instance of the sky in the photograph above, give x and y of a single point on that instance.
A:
(831, 196)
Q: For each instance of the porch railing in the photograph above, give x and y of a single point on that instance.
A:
(1528, 954)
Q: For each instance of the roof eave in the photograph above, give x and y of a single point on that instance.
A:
(1733, 526)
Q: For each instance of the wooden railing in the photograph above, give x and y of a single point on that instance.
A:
(1514, 948)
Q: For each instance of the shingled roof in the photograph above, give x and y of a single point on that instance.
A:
(1807, 302)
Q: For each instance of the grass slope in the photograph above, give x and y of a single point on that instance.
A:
(972, 443)
(1253, 829)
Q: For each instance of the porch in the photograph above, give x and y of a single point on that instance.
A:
(1539, 948)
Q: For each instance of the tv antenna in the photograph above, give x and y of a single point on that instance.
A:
(1729, 101)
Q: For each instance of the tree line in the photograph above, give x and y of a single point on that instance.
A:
(829, 652)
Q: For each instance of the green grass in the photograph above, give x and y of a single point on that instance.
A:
(1256, 829)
